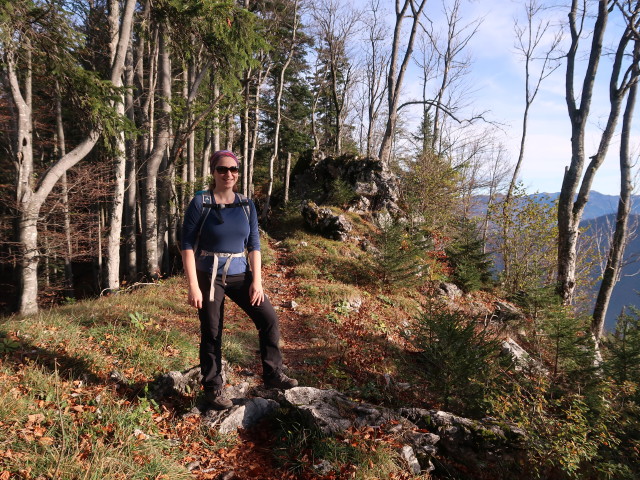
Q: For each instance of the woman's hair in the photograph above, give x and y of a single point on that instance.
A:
(213, 161)
(215, 158)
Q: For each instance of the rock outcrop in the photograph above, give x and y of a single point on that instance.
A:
(375, 188)
(322, 220)
(426, 437)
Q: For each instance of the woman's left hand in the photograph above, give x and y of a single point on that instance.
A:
(256, 293)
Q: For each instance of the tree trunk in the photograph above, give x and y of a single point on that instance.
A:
(191, 142)
(112, 271)
(619, 240)
(206, 154)
(164, 183)
(287, 175)
(216, 128)
(28, 239)
(161, 142)
(131, 189)
(246, 132)
(396, 77)
(68, 272)
(256, 123)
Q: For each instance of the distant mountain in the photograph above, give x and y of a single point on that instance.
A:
(598, 204)
(600, 213)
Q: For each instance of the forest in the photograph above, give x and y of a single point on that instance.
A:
(110, 110)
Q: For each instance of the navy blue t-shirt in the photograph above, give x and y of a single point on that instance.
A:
(234, 235)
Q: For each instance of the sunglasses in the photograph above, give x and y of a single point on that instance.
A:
(222, 170)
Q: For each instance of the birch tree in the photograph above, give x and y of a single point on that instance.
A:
(112, 273)
(396, 73)
(335, 28)
(19, 38)
(620, 236)
(578, 180)
(530, 39)
(280, 88)
(376, 64)
(161, 142)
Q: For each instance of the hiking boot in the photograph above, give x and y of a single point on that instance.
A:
(217, 400)
(281, 381)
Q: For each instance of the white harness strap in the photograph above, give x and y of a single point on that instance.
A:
(214, 272)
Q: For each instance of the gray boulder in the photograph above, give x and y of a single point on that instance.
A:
(247, 414)
(521, 357)
(181, 383)
(374, 186)
(475, 443)
(323, 221)
(449, 290)
(505, 312)
(424, 434)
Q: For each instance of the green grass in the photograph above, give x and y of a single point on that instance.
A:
(56, 427)
(59, 417)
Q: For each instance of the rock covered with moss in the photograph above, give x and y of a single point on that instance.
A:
(360, 184)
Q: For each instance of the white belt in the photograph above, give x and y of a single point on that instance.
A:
(225, 269)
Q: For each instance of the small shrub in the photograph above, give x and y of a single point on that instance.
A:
(567, 344)
(623, 348)
(460, 359)
(471, 265)
(341, 193)
(400, 260)
(138, 320)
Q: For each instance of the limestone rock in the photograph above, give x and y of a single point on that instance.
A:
(521, 357)
(247, 414)
(410, 457)
(478, 442)
(323, 221)
(449, 290)
(424, 434)
(505, 312)
(178, 383)
(374, 187)
(320, 407)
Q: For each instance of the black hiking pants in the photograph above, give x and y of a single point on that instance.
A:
(211, 323)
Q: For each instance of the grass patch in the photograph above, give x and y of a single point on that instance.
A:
(239, 348)
(329, 293)
(57, 427)
(356, 454)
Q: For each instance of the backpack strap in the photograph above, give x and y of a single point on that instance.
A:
(244, 201)
(206, 209)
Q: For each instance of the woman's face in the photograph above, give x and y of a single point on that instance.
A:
(227, 179)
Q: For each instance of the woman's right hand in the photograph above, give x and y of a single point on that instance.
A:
(195, 297)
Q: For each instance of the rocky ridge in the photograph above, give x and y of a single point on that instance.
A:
(428, 439)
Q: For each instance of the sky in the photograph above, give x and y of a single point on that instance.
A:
(497, 79)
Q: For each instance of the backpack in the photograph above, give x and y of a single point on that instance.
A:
(208, 205)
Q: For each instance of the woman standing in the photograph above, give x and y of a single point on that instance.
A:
(219, 225)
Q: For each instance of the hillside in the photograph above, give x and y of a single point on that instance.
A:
(79, 383)
(74, 380)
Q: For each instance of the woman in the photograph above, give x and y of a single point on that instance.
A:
(219, 225)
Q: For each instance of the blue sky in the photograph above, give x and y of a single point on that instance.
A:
(497, 79)
(498, 74)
